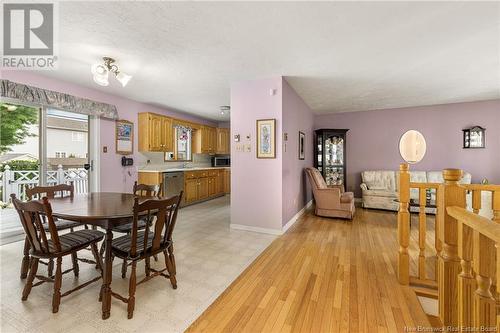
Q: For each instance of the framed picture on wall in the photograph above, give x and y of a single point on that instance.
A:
(266, 138)
(124, 137)
(302, 139)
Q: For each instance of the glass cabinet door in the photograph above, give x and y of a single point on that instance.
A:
(334, 160)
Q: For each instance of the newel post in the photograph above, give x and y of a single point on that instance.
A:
(404, 225)
(448, 261)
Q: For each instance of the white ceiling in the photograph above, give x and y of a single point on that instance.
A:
(342, 56)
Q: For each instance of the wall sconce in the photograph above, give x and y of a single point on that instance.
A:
(237, 138)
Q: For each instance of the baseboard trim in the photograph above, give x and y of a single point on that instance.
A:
(296, 217)
(273, 231)
(255, 229)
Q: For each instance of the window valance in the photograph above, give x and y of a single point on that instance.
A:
(54, 99)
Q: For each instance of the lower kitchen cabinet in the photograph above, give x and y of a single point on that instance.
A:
(198, 184)
(190, 190)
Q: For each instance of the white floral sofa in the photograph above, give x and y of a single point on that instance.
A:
(380, 187)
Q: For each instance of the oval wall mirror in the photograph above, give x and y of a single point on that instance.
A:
(412, 146)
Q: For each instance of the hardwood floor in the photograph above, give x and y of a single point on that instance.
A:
(323, 275)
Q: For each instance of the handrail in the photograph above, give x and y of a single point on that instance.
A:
(477, 222)
(482, 187)
(424, 185)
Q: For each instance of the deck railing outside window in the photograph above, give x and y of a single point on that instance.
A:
(17, 181)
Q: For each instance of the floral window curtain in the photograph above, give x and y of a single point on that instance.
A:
(57, 100)
(184, 135)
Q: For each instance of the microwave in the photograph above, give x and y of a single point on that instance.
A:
(221, 161)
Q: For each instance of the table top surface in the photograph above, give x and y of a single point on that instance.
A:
(95, 206)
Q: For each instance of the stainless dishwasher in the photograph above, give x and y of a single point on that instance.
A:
(173, 183)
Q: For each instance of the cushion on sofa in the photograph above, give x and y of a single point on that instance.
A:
(384, 179)
(380, 193)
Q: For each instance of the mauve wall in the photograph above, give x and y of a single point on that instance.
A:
(114, 177)
(373, 138)
(255, 183)
(296, 117)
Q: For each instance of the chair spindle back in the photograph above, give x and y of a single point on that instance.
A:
(33, 214)
(146, 190)
(165, 211)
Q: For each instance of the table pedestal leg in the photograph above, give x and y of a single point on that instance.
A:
(108, 274)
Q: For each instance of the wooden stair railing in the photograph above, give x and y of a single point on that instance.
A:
(467, 249)
(476, 299)
(421, 279)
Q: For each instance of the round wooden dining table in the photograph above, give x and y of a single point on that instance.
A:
(102, 209)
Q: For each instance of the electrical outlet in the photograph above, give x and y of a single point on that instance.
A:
(248, 148)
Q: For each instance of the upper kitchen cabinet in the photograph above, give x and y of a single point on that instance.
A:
(206, 140)
(222, 141)
(155, 132)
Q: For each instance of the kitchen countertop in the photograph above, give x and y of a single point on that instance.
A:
(181, 169)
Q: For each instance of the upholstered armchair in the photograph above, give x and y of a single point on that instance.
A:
(330, 201)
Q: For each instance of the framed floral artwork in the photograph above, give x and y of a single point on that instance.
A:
(266, 138)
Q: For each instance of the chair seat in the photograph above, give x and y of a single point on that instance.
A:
(127, 228)
(121, 246)
(62, 225)
(77, 239)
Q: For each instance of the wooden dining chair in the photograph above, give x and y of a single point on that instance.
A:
(37, 192)
(155, 238)
(32, 215)
(141, 190)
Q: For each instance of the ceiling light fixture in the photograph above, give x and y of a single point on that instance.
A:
(224, 109)
(101, 72)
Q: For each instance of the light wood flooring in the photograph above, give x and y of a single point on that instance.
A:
(323, 275)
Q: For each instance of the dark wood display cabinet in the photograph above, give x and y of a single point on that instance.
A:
(330, 155)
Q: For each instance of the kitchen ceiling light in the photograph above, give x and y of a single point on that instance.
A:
(101, 72)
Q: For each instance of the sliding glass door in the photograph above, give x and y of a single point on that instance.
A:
(41, 146)
(67, 154)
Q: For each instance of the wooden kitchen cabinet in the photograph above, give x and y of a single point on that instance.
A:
(155, 133)
(212, 186)
(203, 188)
(190, 190)
(220, 181)
(206, 140)
(222, 141)
(203, 184)
(227, 181)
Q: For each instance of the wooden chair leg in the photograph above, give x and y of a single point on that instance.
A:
(56, 298)
(50, 267)
(147, 266)
(131, 291)
(76, 268)
(172, 258)
(31, 277)
(124, 269)
(170, 270)
(97, 257)
(103, 248)
(100, 264)
(25, 265)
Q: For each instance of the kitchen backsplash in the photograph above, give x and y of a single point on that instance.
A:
(156, 160)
